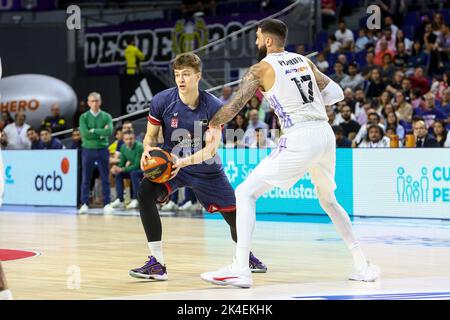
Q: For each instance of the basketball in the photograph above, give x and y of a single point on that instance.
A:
(159, 167)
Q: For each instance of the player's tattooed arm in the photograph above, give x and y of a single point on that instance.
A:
(322, 80)
(250, 83)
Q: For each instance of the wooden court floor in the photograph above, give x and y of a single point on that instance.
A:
(88, 257)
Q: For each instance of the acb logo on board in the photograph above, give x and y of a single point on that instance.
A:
(54, 181)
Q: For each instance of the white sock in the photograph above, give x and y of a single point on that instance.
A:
(359, 260)
(6, 295)
(156, 250)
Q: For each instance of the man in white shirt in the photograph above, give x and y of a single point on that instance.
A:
(16, 133)
(375, 138)
(344, 35)
(373, 118)
(261, 140)
(254, 122)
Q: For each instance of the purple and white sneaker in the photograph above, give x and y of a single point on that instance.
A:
(255, 265)
(152, 269)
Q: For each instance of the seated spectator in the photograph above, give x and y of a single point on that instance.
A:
(236, 130)
(255, 103)
(362, 41)
(349, 126)
(429, 112)
(300, 49)
(341, 140)
(373, 118)
(403, 109)
(392, 122)
(342, 58)
(376, 84)
(389, 24)
(406, 43)
(440, 132)
(344, 36)
(6, 119)
(331, 116)
(401, 57)
(445, 102)
(353, 80)
(418, 80)
(375, 138)
(36, 142)
(416, 99)
(370, 65)
(76, 139)
(363, 113)
(127, 125)
(3, 140)
(444, 43)
(227, 95)
(423, 139)
(50, 142)
(254, 122)
(395, 84)
(274, 124)
(16, 133)
(386, 110)
(387, 38)
(128, 167)
(261, 141)
(333, 45)
(360, 99)
(322, 63)
(406, 88)
(378, 60)
(418, 56)
(82, 107)
(56, 121)
(114, 147)
(387, 69)
(383, 100)
(338, 74)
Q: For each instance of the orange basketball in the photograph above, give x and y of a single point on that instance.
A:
(159, 167)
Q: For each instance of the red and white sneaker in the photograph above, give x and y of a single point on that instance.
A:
(230, 275)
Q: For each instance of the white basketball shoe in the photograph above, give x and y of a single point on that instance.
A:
(369, 273)
(230, 275)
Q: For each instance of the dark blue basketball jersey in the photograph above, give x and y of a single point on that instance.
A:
(184, 128)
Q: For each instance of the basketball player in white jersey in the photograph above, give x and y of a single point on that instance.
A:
(5, 294)
(298, 92)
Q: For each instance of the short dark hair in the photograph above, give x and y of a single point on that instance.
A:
(337, 129)
(128, 132)
(275, 27)
(31, 129)
(48, 129)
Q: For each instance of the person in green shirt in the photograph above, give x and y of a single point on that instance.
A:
(129, 167)
(96, 127)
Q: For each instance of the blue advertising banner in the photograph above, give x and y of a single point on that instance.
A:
(40, 177)
(301, 198)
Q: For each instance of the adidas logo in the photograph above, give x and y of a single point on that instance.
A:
(141, 97)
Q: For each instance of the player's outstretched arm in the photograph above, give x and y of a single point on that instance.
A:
(250, 83)
(331, 92)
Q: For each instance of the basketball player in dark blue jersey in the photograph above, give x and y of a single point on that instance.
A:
(183, 113)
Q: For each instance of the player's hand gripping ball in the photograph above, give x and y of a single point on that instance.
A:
(159, 167)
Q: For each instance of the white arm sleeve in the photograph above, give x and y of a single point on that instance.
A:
(332, 93)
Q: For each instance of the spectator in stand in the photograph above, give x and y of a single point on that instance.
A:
(261, 141)
(362, 41)
(418, 56)
(439, 84)
(6, 119)
(423, 139)
(429, 112)
(378, 60)
(353, 80)
(416, 99)
(82, 107)
(407, 88)
(236, 130)
(376, 85)
(341, 140)
(360, 99)
(389, 38)
(403, 109)
(300, 49)
(401, 39)
(127, 126)
(431, 47)
(255, 103)
(338, 74)
(445, 102)
(370, 65)
(389, 24)
(322, 63)
(375, 138)
(372, 118)
(227, 94)
(418, 80)
(56, 121)
(96, 127)
(3, 141)
(114, 147)
(386, 110)
(383, 100)
(33, 136)
(333, 45)
(440, 132)
(344, 36)
(396, 83)
(331, 116)
(254, 122)
(342, 58)
(49, 142)
(128, 167)
(349, 126)
(363, 114)
(444, 44)
(133, 57)
(16, 133)
(401, 57)
(438, 22)
(273, 122)
(76, 139)
(387, 69)
(392, 122)
(349, 98)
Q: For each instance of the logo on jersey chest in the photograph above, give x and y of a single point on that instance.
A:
(301, 69)
(174, 120)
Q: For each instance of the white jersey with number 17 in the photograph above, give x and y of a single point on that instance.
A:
(294, 96)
